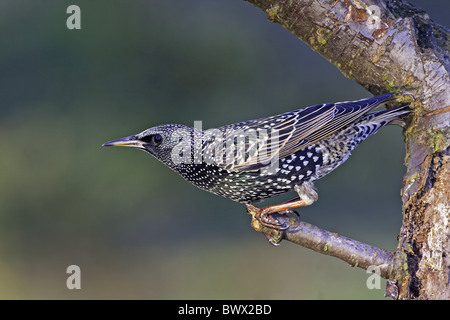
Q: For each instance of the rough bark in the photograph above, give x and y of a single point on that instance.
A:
(391, 46)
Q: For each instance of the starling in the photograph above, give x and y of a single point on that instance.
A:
(258, 159)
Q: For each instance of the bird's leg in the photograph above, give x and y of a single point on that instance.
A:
(308, 195)
(265, 217)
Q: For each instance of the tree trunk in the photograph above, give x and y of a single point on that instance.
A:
(386, 46)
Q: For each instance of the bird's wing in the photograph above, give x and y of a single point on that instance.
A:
(255, 144)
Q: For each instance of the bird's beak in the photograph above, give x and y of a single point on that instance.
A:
(130, 141)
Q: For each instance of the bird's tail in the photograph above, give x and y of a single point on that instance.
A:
(392, 116)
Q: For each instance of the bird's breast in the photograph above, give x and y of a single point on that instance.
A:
(248, 186)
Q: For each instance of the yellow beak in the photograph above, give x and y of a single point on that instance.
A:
(130, 141)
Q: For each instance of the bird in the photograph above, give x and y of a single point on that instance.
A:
(258, 159)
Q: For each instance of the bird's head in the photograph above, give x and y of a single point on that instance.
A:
(169, 143)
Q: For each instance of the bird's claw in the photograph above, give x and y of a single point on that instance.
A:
(274, 239)
(281, 221)
(273, 220)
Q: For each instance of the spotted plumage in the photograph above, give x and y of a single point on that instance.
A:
(258, 159)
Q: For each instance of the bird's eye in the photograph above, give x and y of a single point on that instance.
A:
(153, 139)
(157, 139)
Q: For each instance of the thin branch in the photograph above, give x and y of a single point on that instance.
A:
(357, 254)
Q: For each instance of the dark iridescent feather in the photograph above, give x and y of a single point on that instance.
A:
(295, 130)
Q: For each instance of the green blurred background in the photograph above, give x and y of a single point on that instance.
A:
(136, 229)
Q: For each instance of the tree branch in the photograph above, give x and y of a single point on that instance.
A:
(386, 46)
(390, 265)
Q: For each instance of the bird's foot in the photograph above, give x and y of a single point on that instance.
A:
(280, 221)
(274, 226)
(289, 218)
